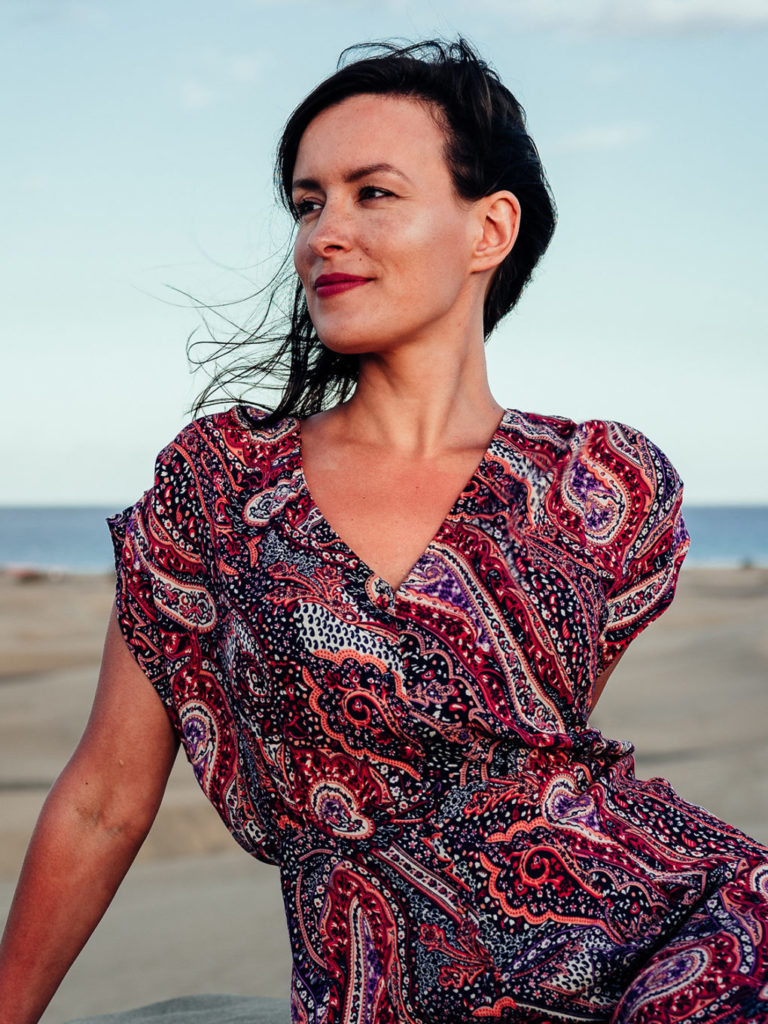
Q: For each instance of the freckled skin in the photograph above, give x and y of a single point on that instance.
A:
(409, 232)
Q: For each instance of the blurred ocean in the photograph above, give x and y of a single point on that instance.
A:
(77, 539)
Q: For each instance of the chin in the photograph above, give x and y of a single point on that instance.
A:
(347, 344)
(348, 350)
(346, 340)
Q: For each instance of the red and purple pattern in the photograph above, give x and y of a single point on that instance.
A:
(455, 842)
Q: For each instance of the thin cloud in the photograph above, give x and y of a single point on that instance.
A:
(632, 16)
(600, 138)
(244, 68)
(40, 12)
(196, 95)
(599, 16)
(214, 76)
(606, 74)
(36, 182)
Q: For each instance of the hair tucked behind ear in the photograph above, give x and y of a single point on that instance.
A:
(488, 149)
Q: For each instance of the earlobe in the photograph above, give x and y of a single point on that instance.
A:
(499, 229)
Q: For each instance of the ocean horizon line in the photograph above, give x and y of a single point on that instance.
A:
(67, 539)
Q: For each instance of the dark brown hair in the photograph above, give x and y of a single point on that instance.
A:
(487, 149)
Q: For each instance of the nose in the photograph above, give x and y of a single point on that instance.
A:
(330, 231)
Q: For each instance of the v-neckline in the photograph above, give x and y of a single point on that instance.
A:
(454, 510)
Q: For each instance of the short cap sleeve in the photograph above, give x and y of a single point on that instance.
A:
(164, 608)
(631, 498)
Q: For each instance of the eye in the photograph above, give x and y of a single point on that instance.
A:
(304, 207)
(374, 192)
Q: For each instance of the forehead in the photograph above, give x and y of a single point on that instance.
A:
(371, 129)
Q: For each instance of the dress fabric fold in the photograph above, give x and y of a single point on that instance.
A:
(455, 842)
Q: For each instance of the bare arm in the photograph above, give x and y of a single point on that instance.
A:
(89, 830)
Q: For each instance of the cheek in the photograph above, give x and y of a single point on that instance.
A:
(299, 258)
(435, 251)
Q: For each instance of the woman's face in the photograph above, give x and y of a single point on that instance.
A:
(384, 244)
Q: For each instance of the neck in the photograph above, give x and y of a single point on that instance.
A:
(424, 399)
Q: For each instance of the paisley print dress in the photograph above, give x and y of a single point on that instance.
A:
(455, 843)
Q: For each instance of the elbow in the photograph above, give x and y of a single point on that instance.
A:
(114, 822)
(104, 811)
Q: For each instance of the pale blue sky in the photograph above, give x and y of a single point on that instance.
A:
(137, 149)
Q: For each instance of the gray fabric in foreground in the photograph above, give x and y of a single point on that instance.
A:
(209, 1009)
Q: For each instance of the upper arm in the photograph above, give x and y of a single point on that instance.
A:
(129, 745)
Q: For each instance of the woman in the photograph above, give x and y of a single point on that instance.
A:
(378, 628)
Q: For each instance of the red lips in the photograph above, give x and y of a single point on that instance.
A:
(331, 284)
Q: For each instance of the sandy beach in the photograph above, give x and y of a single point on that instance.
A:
(198, 915)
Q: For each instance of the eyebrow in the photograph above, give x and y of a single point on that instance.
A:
(354, 175)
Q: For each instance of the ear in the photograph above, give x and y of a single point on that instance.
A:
(498, 225)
